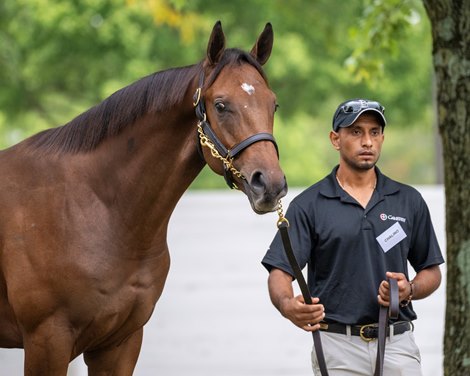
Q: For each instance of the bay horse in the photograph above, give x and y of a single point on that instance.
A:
(85, 207)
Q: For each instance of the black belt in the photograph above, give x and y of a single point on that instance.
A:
(367, 332)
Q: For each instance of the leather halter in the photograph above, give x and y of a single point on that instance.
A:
(228, 155)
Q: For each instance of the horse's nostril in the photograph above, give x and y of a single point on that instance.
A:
(258, 183)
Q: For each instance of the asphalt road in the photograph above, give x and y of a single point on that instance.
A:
(215, 318)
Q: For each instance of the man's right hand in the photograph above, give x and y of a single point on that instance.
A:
(305, 316)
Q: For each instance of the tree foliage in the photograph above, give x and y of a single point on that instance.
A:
(60, 58)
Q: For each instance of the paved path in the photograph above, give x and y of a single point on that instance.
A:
(215, 317)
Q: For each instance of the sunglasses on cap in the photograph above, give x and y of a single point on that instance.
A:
(359, 105)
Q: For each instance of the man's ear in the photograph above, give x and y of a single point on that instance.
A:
(334, 139)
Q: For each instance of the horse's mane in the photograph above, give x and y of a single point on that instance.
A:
(151, 94)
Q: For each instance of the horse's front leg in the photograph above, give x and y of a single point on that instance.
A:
(119, 360)
(48, 349)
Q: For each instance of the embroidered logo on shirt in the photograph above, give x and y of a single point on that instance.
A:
(385, 217)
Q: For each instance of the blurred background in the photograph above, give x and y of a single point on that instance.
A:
(59, 58)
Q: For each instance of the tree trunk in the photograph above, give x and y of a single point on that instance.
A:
(450, 22)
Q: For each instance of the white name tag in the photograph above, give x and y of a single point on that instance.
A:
(391, 237)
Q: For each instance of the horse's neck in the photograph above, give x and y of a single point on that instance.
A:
(145, 170)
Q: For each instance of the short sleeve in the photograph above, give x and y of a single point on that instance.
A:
(424, 248)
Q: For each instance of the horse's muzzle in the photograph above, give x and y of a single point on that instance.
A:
(264, 192)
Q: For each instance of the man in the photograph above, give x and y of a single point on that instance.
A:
(353, 229)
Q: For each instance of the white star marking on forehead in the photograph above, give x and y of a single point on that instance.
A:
(248, 88)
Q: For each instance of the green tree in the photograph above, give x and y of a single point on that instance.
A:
(60, 58)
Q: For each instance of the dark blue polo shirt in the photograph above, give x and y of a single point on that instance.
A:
(348, 249)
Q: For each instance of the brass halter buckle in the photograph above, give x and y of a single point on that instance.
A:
(362, 334)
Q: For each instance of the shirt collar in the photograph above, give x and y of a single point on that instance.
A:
(385, 186)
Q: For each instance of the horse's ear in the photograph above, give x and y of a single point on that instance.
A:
(264, 45)
(216, 45)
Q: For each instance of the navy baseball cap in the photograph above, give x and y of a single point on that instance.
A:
(348, 112)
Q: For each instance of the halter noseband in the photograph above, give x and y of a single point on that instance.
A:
(208, 138)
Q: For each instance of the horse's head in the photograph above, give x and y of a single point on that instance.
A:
(236, 109)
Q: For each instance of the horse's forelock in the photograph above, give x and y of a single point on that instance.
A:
(234, 56)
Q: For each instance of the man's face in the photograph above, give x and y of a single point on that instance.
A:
(359, 144)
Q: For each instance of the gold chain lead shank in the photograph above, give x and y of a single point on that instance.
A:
(228, 162)
(280, 213)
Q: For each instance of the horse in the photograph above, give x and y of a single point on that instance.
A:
(85, 206)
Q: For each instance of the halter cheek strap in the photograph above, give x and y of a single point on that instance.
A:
(208, 138)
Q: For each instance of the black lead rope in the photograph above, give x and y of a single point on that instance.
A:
(283, 225)
(385, 312)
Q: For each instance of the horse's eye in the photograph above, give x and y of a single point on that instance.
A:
(219, 106)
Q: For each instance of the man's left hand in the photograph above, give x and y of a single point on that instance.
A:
(404, 288)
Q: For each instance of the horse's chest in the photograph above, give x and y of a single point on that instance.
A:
(122, 308)
(116, 317)
(128, 307)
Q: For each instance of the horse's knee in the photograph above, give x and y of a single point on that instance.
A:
(116, 360)
(47, 351)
